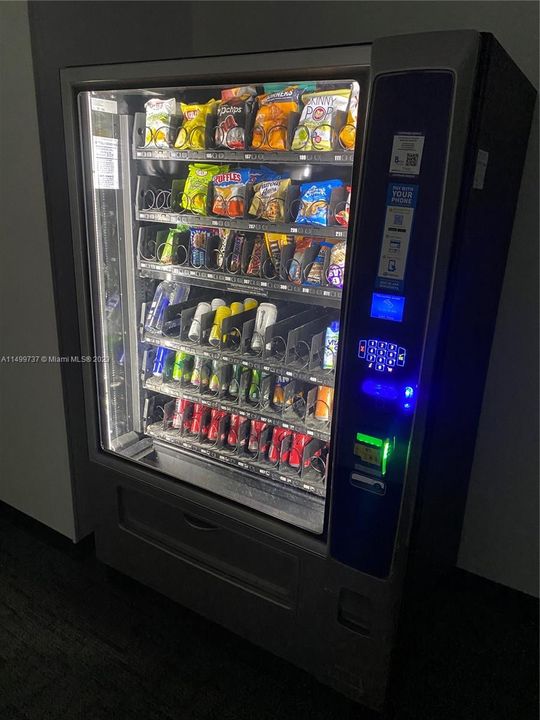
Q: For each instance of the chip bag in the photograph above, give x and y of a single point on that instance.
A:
(191, 135)
(270, 129)
(269, 200)
(171, 244)
(230, 192)
(195, 193)
(315, 202)
(233, 116)
(159, 114)
(317, 128)
(305, 86)
(262, 173)
(347, 135)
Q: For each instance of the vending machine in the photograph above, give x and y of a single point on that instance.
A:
(288, 267)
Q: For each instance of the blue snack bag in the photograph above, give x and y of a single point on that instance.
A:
(262, 174)
(315, 202)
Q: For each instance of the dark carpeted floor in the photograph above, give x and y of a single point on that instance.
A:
(81, 642)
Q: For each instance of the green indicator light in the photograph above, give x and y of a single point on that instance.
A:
(369, 440)
(385, 455)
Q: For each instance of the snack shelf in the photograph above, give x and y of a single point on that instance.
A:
(192, 220)
(324, 296)
(332, 157)
(272, 365)
(223, 455)
(265, 414)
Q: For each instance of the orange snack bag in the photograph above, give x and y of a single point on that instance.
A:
(270, 129)
(347, 134)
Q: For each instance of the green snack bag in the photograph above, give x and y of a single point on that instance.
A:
(169, 248)
(200, 175)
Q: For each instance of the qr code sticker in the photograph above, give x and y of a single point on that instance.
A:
(412, 160)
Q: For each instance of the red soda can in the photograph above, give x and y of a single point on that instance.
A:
(274, 453)
(257, 427)
(299, 442)
(196, 418)
(181, 407)
(234, 429)
(215, 419)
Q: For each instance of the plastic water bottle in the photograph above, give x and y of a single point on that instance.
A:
(167, 293)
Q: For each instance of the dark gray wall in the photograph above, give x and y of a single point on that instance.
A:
(500, 534)
(34, 469)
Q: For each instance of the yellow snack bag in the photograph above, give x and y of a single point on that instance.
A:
(192, 131)
(347, 135)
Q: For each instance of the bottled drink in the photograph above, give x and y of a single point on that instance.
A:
(254, 392)
(234, 385)
(183, 364)
(266, 316)
(257, 427)
(167, 293)
(194, 333)
(299, 442)
(323, 403)
(331, 341)
(200, 377)
(160, 359)
(216, 333)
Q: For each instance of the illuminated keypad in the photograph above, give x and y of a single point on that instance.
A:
(381, 355)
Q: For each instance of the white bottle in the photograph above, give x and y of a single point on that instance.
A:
(194, 333)
(266, 316)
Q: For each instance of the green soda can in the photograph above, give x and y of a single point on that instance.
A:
(200, 376)
(254, 392)
(214, 383)
(188, 368)
(234, 385)
(183, 364)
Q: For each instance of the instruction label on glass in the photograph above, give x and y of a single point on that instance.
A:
(400, 205)
(104, 105)
(105, 152)
(406, 157)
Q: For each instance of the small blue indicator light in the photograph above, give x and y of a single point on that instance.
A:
(387, 307)
(409, 392)
(383, 390)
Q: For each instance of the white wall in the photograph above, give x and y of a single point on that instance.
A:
(34, 468)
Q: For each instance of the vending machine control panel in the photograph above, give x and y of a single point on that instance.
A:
(382, 355)
(388, 302)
